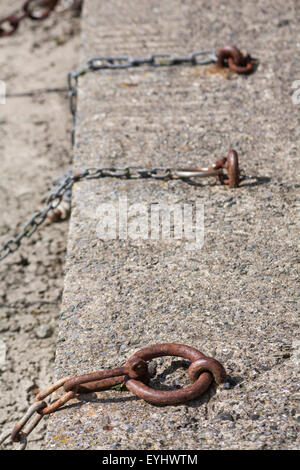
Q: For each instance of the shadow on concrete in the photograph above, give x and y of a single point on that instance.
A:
(93, 398)
(257, 181)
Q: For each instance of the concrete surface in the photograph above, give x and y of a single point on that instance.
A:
(234, 298)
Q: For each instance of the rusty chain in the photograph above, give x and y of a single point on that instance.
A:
(226, 170)
(36, 10)
(134, 376)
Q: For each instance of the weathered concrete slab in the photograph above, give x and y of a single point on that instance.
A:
(234, 297)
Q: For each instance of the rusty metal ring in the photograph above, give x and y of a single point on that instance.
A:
(13, 22)
(48, 7)
(236, 61)
(227, 52)
(175, 397)
(17, 435)
(209, 364)
(242, 69)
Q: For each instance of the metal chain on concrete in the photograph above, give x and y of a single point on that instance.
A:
(228, 56)
(53, 209)
(134, 376)
(52, 202)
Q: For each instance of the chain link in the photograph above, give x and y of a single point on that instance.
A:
(35, 10)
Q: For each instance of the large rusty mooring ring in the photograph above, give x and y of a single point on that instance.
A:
(202, 371)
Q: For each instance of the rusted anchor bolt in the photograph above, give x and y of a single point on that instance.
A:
(231, 164)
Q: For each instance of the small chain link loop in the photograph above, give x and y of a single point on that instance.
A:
(35, 10)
